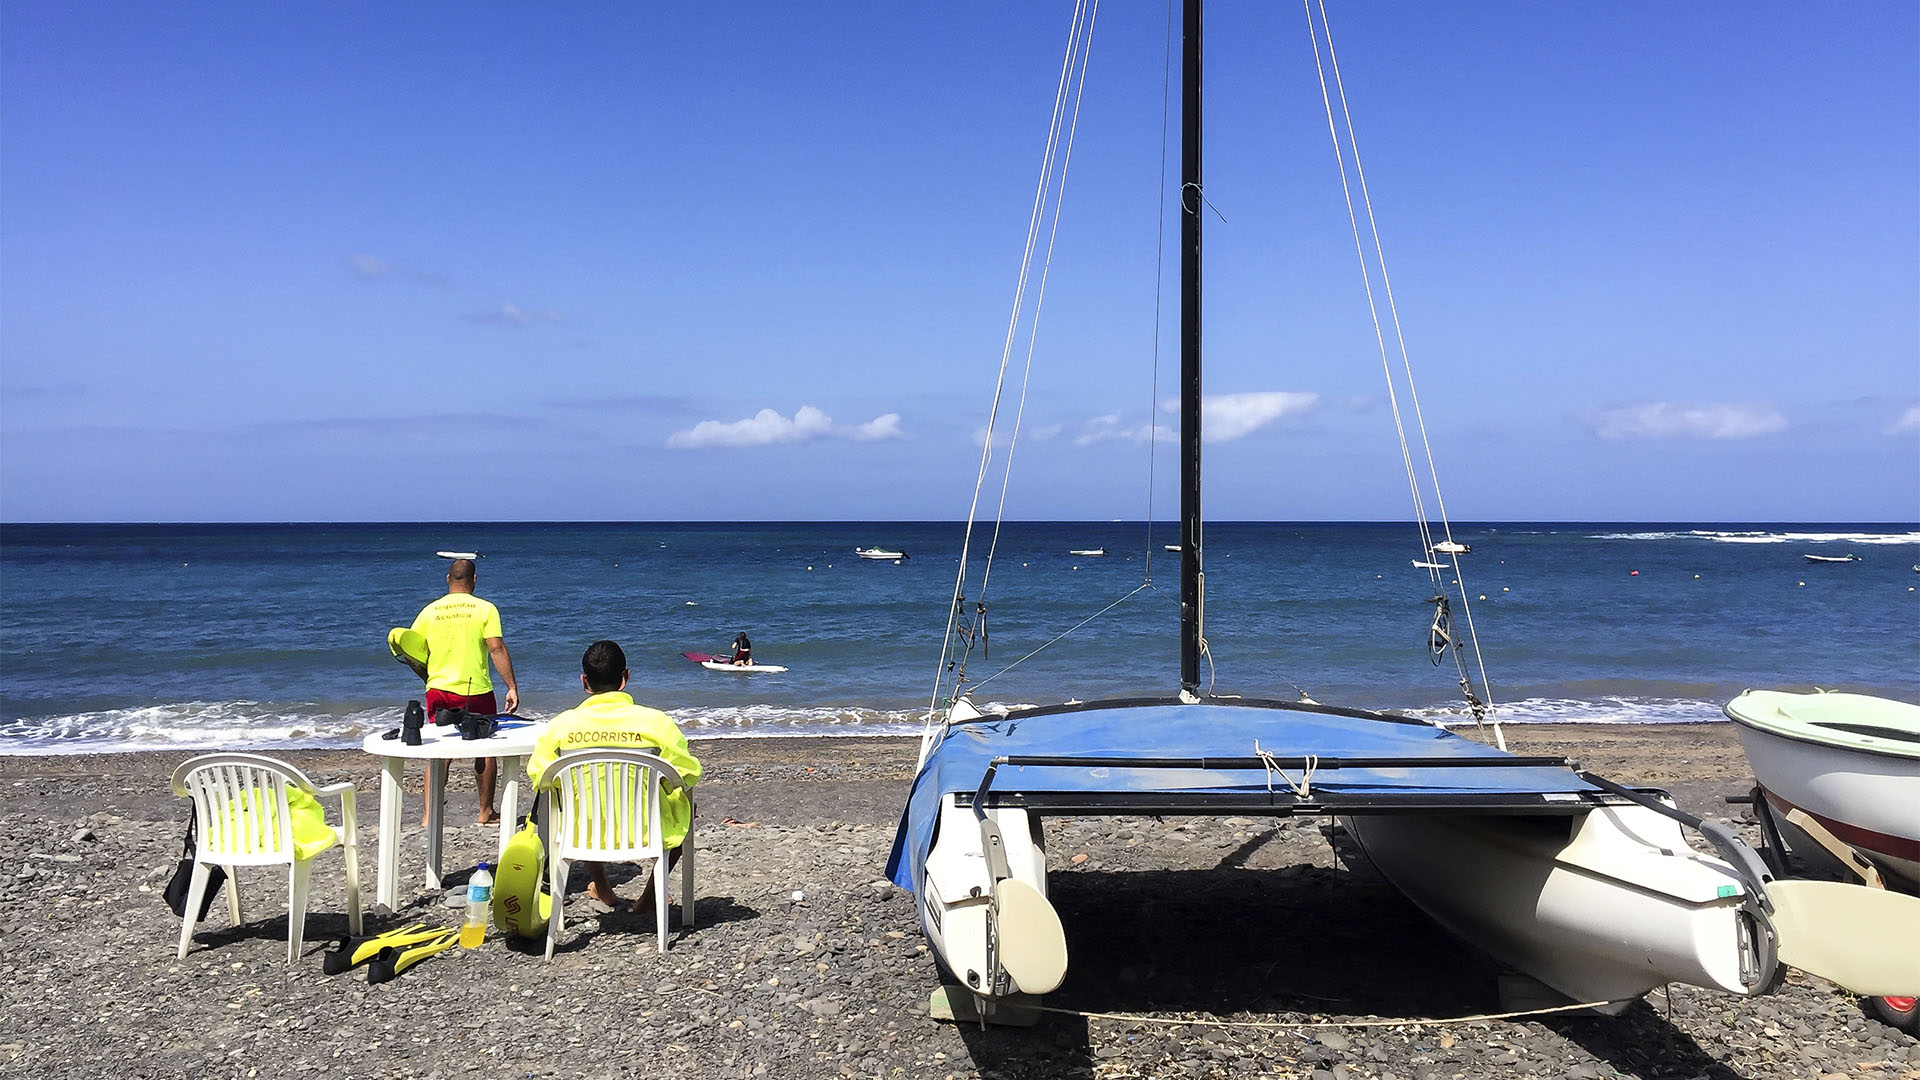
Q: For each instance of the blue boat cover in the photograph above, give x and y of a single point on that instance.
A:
(1160, 729)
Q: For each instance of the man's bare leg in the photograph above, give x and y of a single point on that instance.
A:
(599, 887)
(645, 903)
(486, 773)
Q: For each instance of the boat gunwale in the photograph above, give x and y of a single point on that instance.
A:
(1147, 702)
(1895, 753)
(1283, 803)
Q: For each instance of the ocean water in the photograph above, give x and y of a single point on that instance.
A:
(176, 636)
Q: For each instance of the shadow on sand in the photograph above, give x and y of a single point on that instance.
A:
(1295, 943)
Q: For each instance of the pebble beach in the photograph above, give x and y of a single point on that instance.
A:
(1200, 947)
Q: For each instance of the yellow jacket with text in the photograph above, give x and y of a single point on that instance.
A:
(613, 721)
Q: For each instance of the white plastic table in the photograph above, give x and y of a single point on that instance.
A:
(439, 746)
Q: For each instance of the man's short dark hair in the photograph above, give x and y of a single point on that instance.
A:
(460, 570)
(603, 664)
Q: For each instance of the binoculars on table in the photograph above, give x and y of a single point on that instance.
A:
(411, 723)
(471, 725)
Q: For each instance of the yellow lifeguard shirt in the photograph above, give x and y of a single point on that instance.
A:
(613, 721)
(457, 627)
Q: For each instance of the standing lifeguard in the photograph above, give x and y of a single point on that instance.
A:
(463, 633)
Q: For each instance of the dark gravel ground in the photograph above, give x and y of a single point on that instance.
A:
(1236, 948)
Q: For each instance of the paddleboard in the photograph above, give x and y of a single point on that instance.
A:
(723, 665)
(520, 905)
(409, 647)
(458, 554)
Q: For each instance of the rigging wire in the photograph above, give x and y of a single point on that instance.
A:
(1479, 708)
(1040, 298)
(1079, 40)
(1062, 635)
(1159, 272)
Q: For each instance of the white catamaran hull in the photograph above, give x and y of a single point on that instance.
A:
(956, 895)
(1601, 911)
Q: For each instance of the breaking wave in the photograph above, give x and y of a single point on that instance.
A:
(1761, 537)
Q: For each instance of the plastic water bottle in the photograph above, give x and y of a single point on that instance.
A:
(479, 908)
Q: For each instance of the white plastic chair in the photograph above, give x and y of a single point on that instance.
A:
(241, 819)
(604, 806)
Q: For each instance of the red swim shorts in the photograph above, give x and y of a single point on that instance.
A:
(477, 704)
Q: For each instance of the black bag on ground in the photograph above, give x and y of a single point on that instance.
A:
(181, 883)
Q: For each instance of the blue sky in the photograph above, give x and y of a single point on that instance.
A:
(621, 261)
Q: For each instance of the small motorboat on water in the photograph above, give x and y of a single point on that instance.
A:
(1838, 780)
(1833, 558)
(880, 553)
(1452, 547)
(1091, 553)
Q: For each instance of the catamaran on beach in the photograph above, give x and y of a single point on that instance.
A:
(1587, 887)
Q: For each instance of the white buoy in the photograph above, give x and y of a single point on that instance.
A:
(1506, 588)
(1483, 596)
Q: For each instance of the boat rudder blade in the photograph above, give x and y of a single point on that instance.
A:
(1843, 933)
(1033, 944)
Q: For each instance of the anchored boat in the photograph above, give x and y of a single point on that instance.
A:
(1588, 886)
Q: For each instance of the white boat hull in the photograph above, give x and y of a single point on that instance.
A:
(1602, 907)
(745, 669)
(956, 894)
(1869, 801)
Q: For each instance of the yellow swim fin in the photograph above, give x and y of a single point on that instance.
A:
(349, 953)
(395, 959)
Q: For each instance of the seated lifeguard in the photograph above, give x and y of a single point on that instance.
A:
(609, 719)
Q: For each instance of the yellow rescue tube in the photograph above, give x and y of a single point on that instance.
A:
(519, 904)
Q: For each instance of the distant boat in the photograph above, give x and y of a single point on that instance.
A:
(1450, 547)
(1092, 553)
(879, 553)
(1835, 558)
(1175, 548)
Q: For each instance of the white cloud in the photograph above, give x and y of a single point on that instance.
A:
(1661, 419)
(1111, 428)
(375, 268)
(1224, 417)
(1038, 433)
(767, 427)
(513, 315)
(880, 427)
(1908, 423)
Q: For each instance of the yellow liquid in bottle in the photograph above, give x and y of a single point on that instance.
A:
(472, 934)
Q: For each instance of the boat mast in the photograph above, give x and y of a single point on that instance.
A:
(1192, 581)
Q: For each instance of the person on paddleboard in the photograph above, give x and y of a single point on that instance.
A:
(463, 634)
(742, 650)
(609, 718)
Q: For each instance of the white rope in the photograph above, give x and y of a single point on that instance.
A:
(1078, 42)
(1303, 789)
(1434, 570)
(1282, 1025)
